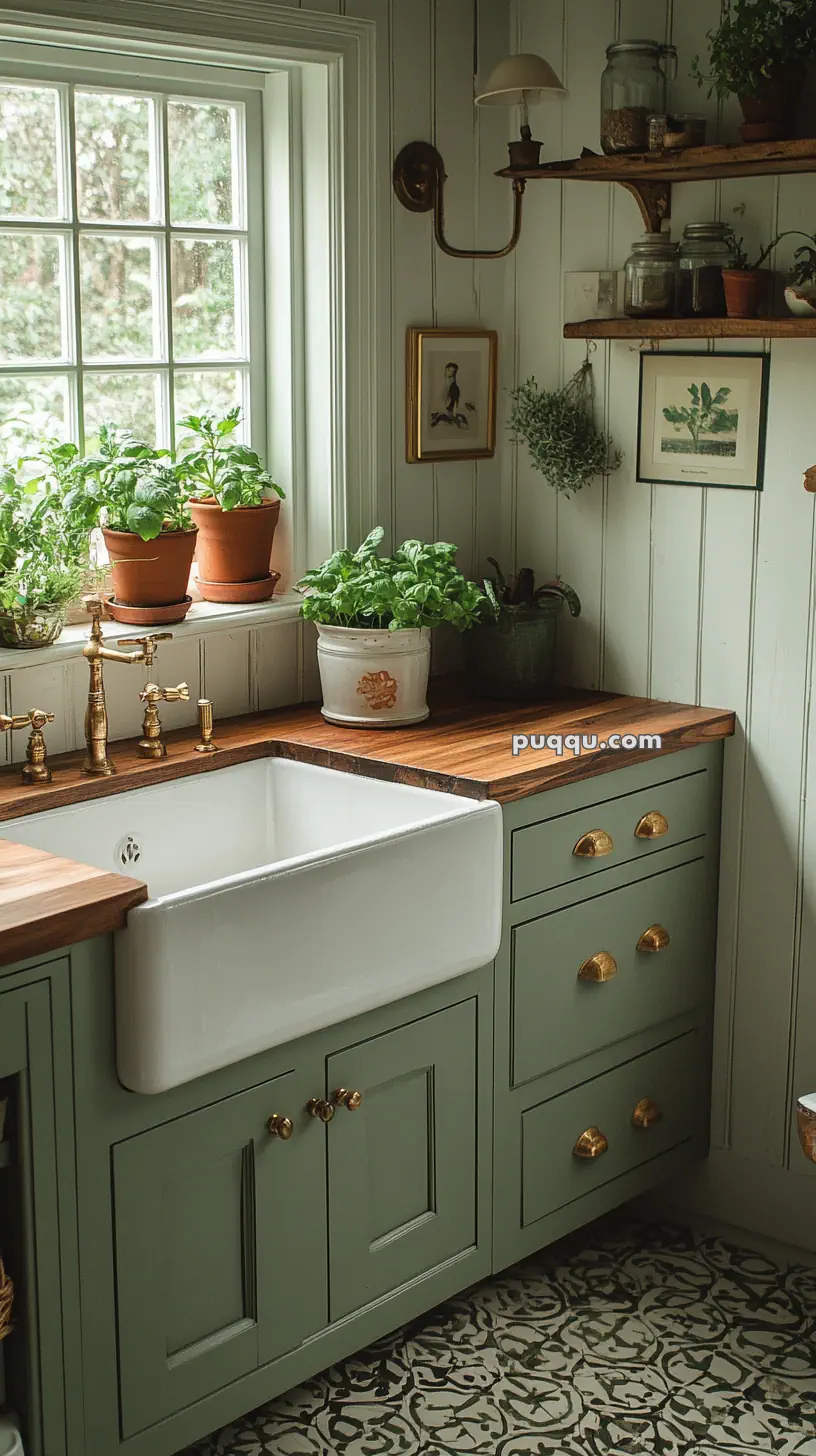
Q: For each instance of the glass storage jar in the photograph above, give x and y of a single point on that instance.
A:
(651, 277)
(706, 248)
(633, 86)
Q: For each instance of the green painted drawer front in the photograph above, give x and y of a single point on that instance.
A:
(558, 1016)
(553, 1176)
(402, 1168)
(215, 1250)
(542, 854)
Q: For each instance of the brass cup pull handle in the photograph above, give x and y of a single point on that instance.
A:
(343, 1097)
(654, 939)
(280, 1127)
(592, 844)
(652, 825)
(591, 1144)
(600, 967)
(646, 1113)
(317, 1107)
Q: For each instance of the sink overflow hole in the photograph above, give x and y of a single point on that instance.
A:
(128, 851)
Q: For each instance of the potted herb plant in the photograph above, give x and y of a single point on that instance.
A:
(374, 616)
(558, 427)
(800, 291)
(148, 532)
(746, 283)
(511, 652)
(759, 53)
(44, 557)
(235, 504)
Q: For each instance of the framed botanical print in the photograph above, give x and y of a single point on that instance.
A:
(702, 419)
(450, 394)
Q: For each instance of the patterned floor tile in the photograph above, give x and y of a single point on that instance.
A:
(624, 1340)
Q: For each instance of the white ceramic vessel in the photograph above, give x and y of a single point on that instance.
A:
(283, 898)
(801, 301)
(374, 679)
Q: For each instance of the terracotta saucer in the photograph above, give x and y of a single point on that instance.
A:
(242, 592)
(148, 616)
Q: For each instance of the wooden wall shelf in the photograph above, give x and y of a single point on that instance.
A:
(649, 175)
(693, 328)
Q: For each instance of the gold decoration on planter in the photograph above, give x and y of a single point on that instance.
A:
(6, 1301)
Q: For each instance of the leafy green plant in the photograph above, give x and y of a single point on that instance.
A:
(132, 485)
(220, 468)
(419, 586)
(44, 544)
(741, 262)
(558, 427)
(519, 595)
(706, 414)
(753, 38)
(803, 273)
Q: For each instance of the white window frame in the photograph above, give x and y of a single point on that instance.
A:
(319, 146)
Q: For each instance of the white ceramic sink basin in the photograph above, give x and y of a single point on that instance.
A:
(283, 898)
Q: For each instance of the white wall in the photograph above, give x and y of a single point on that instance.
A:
(703, 596)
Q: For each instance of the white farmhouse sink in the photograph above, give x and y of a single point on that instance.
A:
(284, 898)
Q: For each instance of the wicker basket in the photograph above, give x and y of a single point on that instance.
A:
(6, 1301)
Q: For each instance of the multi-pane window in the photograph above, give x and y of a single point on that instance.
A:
(124, 260)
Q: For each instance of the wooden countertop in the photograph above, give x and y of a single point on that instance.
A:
(465, 748)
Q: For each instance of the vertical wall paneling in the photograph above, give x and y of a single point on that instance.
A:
(48, 687)
(276, 666)
(227, 671)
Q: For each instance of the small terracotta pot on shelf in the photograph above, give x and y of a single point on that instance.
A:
(745, 290)
(151, 575)
(234, 548)
(770, 114)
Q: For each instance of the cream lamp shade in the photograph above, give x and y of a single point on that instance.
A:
(520, 79)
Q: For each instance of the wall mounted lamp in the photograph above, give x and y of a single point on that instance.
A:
(419, 171)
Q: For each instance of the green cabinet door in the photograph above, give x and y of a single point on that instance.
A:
(402, 1167)
(218, 1249)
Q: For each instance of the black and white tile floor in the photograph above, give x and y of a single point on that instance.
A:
(624, 1339)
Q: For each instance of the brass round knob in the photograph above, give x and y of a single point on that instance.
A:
(595, 842)
(591, 1144)
(600, 967)
(316, 1107)
(345, 1098)
(654, 939)
(281, 1127)
(652, 825)
(646, 1113)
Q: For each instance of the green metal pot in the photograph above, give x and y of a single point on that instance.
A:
(32, 626)
(514, 657)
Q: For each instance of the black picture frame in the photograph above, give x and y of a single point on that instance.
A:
(757, 379)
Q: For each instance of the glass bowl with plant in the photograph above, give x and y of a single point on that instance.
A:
(511, 653)
(759, 53)
(559, 429)
(44, 556)
(374, 616)
(235, 503)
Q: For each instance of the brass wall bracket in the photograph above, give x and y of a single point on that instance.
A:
(654, 201)
(419, 184)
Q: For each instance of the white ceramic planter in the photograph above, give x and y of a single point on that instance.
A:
(801, 301)
(374, 679)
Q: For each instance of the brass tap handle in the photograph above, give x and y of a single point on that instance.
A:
(280, 1127)
(152, 693)
(205, 723)
(653, 939)
(317, 1107)
(591, 1144)
(94, 606)
(148, 642)
(343, 1097)
(594, 843)
(151, 744)
(646, 1113)
(35, 769)
(598, 968)
(651, 825)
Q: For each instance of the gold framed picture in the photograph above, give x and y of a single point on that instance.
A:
(450, 410)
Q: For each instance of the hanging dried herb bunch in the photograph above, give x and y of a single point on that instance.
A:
(558, 427)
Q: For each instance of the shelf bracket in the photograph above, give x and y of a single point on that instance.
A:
(654, 201)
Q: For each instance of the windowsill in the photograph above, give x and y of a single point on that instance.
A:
(203, 618)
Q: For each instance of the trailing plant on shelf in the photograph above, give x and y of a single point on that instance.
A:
(558, 427)
(44, 556)
(759, 53)
(512, 653)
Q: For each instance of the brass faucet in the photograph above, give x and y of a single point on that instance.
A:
(151, 744)
(35, 768)
(96, 714)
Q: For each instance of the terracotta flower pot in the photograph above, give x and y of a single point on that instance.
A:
(234, 546)
(150, 573)
(770, 114)
(744, 291)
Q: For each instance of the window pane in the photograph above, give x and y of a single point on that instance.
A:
(29, 152)
(203, 145)
(33, 408)
(119, 297)
(32, 300)
(130, 401)
(114, 158)
(206, 392)
(204, 314)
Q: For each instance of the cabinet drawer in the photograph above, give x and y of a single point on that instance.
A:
(606, 1111)
(544, 856)
(579, 981)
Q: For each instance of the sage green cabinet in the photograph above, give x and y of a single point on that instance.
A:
(402, 1168)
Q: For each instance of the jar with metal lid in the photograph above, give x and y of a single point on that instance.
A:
(651, 277)
(706, 248)
(633, 87)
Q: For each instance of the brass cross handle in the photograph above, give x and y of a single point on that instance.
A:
(654, 939)
(35, 769)
(152, 693)
(36, 719)
(148, 642)
(595, 842)
(343, 1097)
